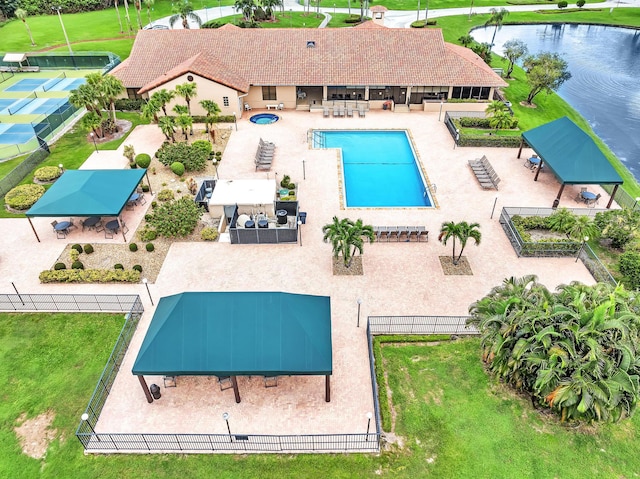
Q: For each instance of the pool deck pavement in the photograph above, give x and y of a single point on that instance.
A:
(399, 278)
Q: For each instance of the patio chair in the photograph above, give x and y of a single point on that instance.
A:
(270, 381)
(225, 382)
(325, 112)
(579, 197)
(169, 381)
(71, 225)
(60, 234)
(592, 203)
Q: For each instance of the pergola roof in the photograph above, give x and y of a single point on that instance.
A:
(571, 154)
(239, 333)
(14, 57)
(88, 193)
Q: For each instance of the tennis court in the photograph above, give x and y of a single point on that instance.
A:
(66, 84)
(15, 133)
(39, 106)
(27, 84)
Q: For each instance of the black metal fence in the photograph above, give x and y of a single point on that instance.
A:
(238, 443)
(554, 249)
(85, 431)
(47, 125)
(107, 303)
(421, 325)
(22, 169)
(104, 61)
(256, 235)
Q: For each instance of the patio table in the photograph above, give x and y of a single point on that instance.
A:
(588, 196)
(90, 222)
(62, 226)
(113, 225)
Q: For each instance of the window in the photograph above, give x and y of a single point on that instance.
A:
(420, 93)
(476, 92)
(132, 93)
(225, 100)
(269, 93)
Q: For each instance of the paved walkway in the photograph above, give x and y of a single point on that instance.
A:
(393, 18)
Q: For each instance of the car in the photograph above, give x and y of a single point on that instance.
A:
(156, 27)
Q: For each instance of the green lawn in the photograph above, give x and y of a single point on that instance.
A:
(456, 422)
(72, 149)
(433, 4)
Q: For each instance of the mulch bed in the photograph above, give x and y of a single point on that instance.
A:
(461, 269)
(339, 269)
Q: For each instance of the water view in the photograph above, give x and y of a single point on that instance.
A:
(604, 63)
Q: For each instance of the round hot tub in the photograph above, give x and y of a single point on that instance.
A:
(264, 118)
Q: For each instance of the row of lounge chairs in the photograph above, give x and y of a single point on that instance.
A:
(486, 175)
(264, 155)
(400, 232)
(339, 111)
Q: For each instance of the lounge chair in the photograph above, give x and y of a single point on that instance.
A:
(349, 111)
(325, 112)
(361, 111)
(336, 112)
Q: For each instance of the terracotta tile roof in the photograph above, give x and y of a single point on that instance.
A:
(470, 57)
(205, 66)
(342, 56)
(379, 8)
(369, 24)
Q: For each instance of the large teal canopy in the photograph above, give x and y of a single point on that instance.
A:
(88, 193)
(571, 154)
(236, 334)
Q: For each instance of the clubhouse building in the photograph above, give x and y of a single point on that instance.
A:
(306, 69)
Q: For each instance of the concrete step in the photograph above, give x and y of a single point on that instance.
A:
(401, 109)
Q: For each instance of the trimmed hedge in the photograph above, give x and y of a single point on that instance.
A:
(127, 104)
(143, 160)
(43, 7)
(177, 168)
(23, 197)
(90, 276)
(47, 173)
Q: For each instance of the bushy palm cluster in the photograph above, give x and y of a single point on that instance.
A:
(99, 93)
(574, 351)
(347, 237)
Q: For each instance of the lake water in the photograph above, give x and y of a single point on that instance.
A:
(605, 85)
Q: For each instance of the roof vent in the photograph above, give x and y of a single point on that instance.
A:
(311, 44)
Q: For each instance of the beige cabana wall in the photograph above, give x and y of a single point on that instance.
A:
(284, 94)
(206, 90)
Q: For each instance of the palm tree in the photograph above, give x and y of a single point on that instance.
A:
(126, 16)
(187, 91)
(561, 221)
(583, 227)
(86, 96)
(270, 5)
(247, 7)
(213, 110)
(185, 122)
(111, 87)
(180, 110)
(22, 15)
(466, 40)
(462, 231)
(184, 11)
(151, 109)
(138, 5)
(129, 153)
(501, 120)
(346, 238)
(149, 4)
(92, 121)
(494, 107)
(497, 18)
(162, 97)
(115, 2)
(167, 127)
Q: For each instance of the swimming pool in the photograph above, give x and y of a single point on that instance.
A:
(379, 167)
(264, 118)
